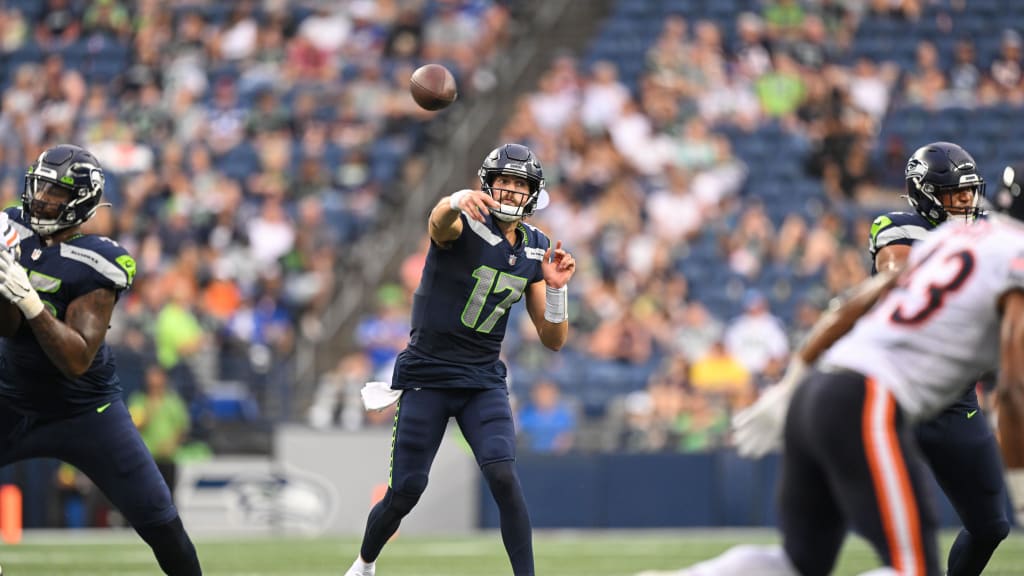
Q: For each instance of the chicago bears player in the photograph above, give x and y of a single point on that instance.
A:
(943, 184)
(482, 259)
(896, 353)
(59, 394)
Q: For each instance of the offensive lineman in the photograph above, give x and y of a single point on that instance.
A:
(60, 396)
(956, 310)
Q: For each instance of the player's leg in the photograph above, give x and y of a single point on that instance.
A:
(420, 421)
(106, 446)
(812, 522)
(877, 476)
(961, 449)
(486, 422)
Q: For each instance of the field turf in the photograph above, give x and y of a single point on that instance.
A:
(558, 553)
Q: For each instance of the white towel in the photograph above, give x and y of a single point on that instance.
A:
(378, 396)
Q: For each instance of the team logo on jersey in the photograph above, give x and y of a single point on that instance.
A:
(36, 254)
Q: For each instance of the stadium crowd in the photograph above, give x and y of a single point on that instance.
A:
(246, 145)
(695, 282)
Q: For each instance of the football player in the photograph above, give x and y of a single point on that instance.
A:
(848, 427)
(60, 396)
(482, 259)
(943, 183)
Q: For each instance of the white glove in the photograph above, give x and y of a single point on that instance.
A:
(378, 396)
(758, 428)
(15, 287)
(9, 237)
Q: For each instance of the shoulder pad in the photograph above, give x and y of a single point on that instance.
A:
(900, 228)
(107, 258)
(535, 237)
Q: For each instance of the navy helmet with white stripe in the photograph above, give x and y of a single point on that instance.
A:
(67, 173)
(939, 178)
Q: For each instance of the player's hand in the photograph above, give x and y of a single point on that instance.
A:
(16, 288)
(9, 237)
(757, 430)
(475, 203)
(558, 266)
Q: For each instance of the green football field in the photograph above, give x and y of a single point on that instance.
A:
(558, 554)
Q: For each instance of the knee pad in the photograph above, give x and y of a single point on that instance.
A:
(410, 485)
(400, 503)
(501, 476)
(993, 533)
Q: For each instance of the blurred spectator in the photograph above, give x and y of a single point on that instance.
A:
(756, 337)
(719, 372)
(547, 423)
(163, 422)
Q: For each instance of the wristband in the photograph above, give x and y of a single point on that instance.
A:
(455, 199)
(31, 305)
(556, 304)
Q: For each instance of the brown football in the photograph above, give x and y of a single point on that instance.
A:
(433, 87)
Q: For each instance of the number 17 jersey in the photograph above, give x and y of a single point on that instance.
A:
(460, 309)
(939, 326)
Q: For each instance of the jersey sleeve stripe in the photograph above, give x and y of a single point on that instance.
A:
(97, 262)
(481, 230)
(890, 235)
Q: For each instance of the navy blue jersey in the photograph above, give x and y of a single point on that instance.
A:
(60, 274)
(460, 309)
(896, 229)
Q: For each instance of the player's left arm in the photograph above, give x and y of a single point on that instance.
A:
(1010, 389)
(547, 301)
(71, 345)
(1010, 396)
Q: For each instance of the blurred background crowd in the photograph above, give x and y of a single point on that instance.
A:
(714, 166)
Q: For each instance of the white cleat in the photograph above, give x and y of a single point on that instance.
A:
(360, 568)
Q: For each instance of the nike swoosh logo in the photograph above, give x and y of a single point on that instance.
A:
(107, 405)
(971, 414)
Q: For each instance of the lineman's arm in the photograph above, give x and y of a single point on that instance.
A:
(1010, 389)
(892, 258)
(840, 319)
(445, 225)
(71, 345)
(757, 429)
(1010, 396)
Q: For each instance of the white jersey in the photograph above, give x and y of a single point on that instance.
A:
(939, 326)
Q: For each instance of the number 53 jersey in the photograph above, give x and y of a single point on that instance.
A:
(460, 309)
(939, 326)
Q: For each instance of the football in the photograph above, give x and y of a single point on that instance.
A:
(433, 87)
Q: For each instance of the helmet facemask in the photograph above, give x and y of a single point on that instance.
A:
(937, 203)
(518, 161)
(523, 203)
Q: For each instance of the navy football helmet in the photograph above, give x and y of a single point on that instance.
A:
(70, 171)
(514, 160)
(935, 173)
(1010, 198)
